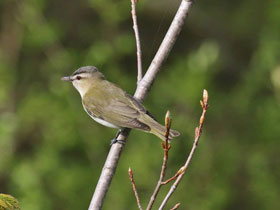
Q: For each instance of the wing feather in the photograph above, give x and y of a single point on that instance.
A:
(117, 107)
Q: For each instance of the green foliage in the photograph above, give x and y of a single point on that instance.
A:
(51, 152)
(8, 202)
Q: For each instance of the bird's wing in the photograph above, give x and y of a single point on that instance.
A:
(118, 108)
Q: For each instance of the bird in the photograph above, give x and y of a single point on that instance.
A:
(111, 106)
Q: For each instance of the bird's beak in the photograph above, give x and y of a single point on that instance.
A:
(67, 79)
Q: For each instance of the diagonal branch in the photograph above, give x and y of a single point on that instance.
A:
(198, 131)
(108, 172)
(141, 91)
(164, 49)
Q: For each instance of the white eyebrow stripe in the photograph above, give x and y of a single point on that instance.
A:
(83, 74)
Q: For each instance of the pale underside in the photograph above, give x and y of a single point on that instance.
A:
(101, 121)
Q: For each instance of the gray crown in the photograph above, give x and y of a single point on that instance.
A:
(86, 69)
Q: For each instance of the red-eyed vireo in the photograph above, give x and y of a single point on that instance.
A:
(111, 106)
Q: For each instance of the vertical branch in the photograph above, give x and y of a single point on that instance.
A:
(198, 131)
(166, 148)
(137, 37)
(134, 188)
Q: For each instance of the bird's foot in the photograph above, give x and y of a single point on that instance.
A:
(114, 141)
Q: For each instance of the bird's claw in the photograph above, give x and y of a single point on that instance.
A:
(117, 141)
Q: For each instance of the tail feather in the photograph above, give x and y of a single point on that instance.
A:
(159, 130)
(156, 128)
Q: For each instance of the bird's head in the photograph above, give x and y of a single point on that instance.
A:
(84, 78)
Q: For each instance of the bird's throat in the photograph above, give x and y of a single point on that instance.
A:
(82, 89)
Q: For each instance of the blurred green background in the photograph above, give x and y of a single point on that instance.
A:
(51, 152)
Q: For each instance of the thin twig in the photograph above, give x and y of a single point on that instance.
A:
(130, 172)
(172, 178)
(166, 148)
(137, 38)
(198, 131)
(164, 49)
(176, 206)
(141, 92)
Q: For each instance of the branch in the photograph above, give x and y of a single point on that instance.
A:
(134, 188)
(166, 148)
(108, 172)
(198, 131)
(137, 37)
(164, 49)
(141, 91)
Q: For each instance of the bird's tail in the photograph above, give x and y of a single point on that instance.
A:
(159, 130)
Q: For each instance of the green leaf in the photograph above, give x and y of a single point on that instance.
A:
(8, 202)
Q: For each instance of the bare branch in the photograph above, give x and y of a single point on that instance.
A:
(108, 172)
(198, 131)
(141, 91)
(166, 148)
(130, 172)
(173, 177)
(137, 38)
(164, 49)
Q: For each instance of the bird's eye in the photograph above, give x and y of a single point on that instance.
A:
(78, 77)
